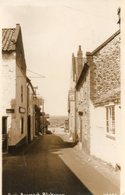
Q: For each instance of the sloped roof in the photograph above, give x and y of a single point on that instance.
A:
(9, 38)
(106, 42)
(82, 74)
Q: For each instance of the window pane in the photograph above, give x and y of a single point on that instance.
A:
(110, 119)
(107, 120)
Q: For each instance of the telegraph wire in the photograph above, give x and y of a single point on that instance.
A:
(40, 76)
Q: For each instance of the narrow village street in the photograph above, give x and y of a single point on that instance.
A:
(50, 165)
(62, 98)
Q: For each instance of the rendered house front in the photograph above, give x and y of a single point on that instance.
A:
(14, 88)
(30, 111)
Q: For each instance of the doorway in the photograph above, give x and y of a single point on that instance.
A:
(4, 134)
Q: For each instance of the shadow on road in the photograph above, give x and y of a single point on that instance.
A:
(50, 142)
(37, 169)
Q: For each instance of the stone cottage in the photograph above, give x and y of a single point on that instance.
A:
(83, 107)
(105, 119)
(98, 110)
(77, 63)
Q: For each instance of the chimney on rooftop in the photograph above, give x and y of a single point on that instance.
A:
(79, 64)
(73, 67)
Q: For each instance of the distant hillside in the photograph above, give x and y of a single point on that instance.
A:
(56, 121)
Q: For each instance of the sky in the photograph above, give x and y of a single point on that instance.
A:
(52, 30)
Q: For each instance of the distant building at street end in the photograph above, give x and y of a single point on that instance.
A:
(44, 122)
(66, 125)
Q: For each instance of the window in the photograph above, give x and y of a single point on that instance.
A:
(22, 125)
(21, 93)
(110, 119)
(4, 124)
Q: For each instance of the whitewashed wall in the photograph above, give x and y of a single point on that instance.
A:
(8, 90)
(101, 145)
(16, 134)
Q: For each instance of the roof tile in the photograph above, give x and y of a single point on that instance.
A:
(8, 39)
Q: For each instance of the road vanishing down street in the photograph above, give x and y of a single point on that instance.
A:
(40, 170)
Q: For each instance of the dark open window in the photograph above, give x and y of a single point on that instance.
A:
(4, 124)
(21, 93)
(22, 125)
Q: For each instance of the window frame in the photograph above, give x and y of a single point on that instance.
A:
(110, 120)
(4, 124)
